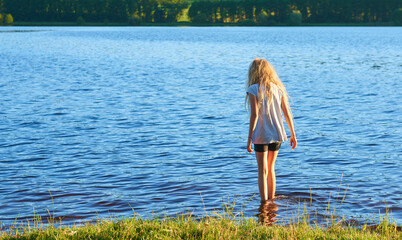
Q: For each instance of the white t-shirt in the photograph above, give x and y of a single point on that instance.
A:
(269, 126)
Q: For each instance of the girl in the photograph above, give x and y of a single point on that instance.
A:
(266, 97)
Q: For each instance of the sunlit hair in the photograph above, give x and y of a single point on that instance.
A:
(262, 72)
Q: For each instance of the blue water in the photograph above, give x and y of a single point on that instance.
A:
(109, 120)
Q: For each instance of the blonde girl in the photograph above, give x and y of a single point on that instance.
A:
(266, 97)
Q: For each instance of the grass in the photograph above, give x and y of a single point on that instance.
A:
(186, 227)
(223, 224)
(227, 223)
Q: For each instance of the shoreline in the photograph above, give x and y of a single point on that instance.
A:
(223, 225)
(188, 24)
(228, 222)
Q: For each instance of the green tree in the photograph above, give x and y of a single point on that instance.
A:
(169, 10)
(232, 10)
(201, 12)
(147, 9)
(212, 11)
(295, 18)
(173, 8)
(117, 11)
(263, 19)
(80, 21)
(396, 16)
(9, 19)
(133, 7)
(134, 20)
(199, 18)
(159, 15)
(248, 7)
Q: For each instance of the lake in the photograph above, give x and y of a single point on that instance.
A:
(104, 121)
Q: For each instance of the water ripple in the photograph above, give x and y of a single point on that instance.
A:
(109, 120)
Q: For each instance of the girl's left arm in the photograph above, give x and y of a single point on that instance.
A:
(253, 120)
(289, 120)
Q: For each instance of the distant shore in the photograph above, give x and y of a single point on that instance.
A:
(189, 24)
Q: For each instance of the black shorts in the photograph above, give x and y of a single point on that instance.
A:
(265, 147)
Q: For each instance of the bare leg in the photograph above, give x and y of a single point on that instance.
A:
(262, 174)
(271, 173)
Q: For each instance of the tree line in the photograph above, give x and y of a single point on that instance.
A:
(262, 12)
(312, 11)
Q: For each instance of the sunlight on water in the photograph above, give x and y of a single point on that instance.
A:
(155, 118)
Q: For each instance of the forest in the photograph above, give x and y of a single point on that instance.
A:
(260, 12)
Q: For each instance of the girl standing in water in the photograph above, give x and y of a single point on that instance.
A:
(266, 97)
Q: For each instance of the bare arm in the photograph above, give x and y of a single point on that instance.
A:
(253, 120)
(289, 121)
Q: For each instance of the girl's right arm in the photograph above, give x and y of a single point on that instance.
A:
(253, 120)
(289, 121)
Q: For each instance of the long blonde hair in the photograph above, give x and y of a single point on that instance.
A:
(262, 72)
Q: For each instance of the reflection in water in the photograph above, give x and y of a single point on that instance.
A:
(267, 213)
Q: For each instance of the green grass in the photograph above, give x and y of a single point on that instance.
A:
(185, 227)
(224, 224)
(227, 223)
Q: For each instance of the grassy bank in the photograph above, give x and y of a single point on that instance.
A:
(189, 24)
(224, 225)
